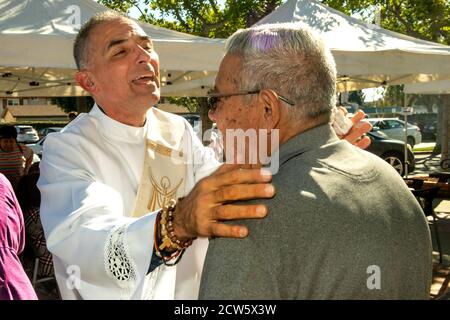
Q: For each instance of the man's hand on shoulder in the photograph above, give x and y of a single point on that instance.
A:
(211, 202)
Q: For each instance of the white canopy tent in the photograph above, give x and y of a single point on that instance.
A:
(367, 55)
(36, 38)
(433, 87)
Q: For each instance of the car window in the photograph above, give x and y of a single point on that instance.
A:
(24, 130)
(383, 125)
(393, 124)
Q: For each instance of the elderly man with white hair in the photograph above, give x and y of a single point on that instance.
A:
(343, 224)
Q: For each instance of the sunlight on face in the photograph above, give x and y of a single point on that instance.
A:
(124, 66)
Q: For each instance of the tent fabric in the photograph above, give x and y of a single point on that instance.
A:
(36, 50)
(432, 87)
(36, 45)
(367, 55)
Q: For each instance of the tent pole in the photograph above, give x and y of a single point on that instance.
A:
(445, 125)
(405, 114)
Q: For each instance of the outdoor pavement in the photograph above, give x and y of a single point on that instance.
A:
(427, 162)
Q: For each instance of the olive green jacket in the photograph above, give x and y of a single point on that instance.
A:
(343, 225)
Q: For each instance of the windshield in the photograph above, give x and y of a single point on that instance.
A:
(26, 130)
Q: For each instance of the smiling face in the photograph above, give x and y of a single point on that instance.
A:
(7, 144)
(122, 69)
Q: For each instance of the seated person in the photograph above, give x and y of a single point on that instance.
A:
(15, 159)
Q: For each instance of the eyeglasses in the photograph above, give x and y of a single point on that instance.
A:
(214, 97)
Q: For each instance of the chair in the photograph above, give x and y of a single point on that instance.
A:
(425, 197)
(35, 279)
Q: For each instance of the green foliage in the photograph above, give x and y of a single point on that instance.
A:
(190, 103)
(424, 19)
(68, 104)
(119, 5)
(207, 18)
(394, 96)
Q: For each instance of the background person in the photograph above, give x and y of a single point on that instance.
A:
(15, 159)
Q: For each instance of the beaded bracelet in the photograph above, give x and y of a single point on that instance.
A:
(170, 216)
(164, 255)
(170, 246)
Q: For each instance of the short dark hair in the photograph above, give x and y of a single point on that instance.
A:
(8, 132)
(81, 43)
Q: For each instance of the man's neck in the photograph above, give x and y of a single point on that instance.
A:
(296, 128)
(135, 120)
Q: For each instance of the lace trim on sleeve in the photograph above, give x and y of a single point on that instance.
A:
(119, 264)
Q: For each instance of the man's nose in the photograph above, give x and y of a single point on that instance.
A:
(143, 55)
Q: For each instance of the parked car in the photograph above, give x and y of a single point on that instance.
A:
(430, 130)
(26, 134)
(395, 129)
(44, 131)
(37, 147)
(392, 151)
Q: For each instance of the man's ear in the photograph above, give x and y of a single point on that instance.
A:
(271, 109)
(85, 81)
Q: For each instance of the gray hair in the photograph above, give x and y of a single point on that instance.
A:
(291, 60)
(81, 43)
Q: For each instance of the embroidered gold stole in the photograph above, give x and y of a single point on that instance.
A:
(164, 171)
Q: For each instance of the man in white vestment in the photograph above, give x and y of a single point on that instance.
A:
(107, 179)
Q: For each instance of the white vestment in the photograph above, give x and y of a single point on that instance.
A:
(90, 173)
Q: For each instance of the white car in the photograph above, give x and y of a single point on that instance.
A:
(26, 134)
(37, 147)
(45, 131)
(395, 129)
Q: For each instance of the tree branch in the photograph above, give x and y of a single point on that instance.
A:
(395, 10)
(208, 26)
(214, 6)
(194, 12)
(144, 16)
(181, 20)
(256, 15)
